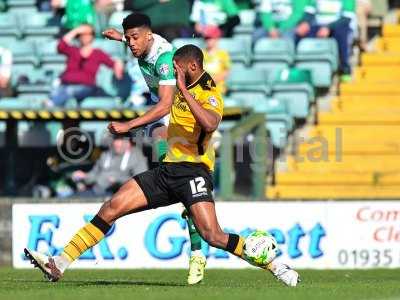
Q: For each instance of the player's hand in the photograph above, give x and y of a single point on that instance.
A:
(119, 127)
(112, 34)
(180, 77)
(323, 32)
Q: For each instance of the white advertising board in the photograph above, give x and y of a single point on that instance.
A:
(314, 235)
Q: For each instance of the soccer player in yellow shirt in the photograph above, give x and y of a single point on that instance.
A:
(184, 176)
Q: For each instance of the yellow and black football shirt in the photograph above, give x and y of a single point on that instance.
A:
(187, 141)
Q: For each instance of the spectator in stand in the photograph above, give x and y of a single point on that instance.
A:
(332, 18)
(115, 166)
(222, 13)
(216, 61)
(169, 18)
(280, 19)
(78, 12)
(79, 79)
(5, 72)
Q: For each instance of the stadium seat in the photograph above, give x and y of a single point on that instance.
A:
(9, 26)
(18, 74)
(97, 130)
(246, 27)
(279, 123)
(273, 54)
(113, 48)
(21, 4)
(293, 85)
(105, 80)
(232, 102)
(320, 56)
(48, 54)
(99, 103)
(36, 25)
(19, 103)
(186, 41)
(248, 82)
(39, 81)
(24, 53)
(116, 19)
(239, 50)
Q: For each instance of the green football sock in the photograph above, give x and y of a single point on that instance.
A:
(161, 149)
(195, 238)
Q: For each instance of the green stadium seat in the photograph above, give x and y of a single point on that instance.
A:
(97, 130)
(54, 128)
(199, 42)
(116, 19)
(100, 103)
(53, 69)
(272, 54)
(18, 103)
(246, 27)
(239, 50)
(38, 82)
(9, 25)
(320, 56)
(21, 6)
(104, 79)
(19, 73)
(232, 102)
(36, 25)
(24, 53)
(5, 40)
(113, 48)
(248, 81)
(279, 122)
(293, 85)
(48, 54)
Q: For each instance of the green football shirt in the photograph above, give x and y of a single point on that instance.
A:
(157, 67)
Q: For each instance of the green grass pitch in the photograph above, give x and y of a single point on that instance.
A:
(218, 284)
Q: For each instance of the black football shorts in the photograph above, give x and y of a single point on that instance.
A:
(172, 183)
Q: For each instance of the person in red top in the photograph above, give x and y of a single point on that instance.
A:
(79, 78)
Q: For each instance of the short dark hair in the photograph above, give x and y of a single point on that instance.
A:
(190, 52)
(136, 20)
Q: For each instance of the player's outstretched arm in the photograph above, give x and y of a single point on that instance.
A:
(113, 34)
(207, 119)
(161, 109)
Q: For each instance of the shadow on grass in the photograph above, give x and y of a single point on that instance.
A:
(101, 283)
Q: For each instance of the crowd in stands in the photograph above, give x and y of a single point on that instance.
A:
(211, 19)
(85, 56)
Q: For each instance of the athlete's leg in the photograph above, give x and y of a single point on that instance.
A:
(128, 199)
(206, 221)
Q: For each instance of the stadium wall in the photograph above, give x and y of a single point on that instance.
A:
(319, 235)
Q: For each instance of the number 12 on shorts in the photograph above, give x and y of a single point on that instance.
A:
(197, 185)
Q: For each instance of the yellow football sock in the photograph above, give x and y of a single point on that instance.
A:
(235, 244)
(87, 237)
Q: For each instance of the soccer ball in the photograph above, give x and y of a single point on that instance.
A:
(260, 248)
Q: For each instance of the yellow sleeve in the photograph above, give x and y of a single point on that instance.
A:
(212, 100)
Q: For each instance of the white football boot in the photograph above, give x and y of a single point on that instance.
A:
(285, 274)
(197, 264)
(46, 264)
